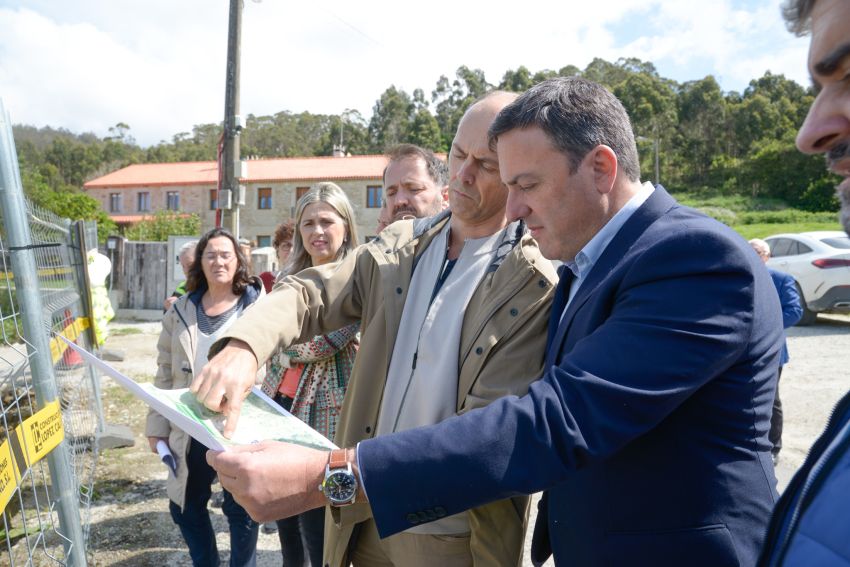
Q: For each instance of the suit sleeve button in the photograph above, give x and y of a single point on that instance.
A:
(413, 518)
(479, 350)
(514, 312)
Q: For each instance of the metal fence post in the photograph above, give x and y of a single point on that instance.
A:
(36, 333)
(78, 235)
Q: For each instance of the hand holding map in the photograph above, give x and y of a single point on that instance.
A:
(261, 419)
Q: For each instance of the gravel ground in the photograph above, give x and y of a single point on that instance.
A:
(130, 523)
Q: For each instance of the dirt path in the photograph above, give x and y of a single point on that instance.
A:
(130, 523)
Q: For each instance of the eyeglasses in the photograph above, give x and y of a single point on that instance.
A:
(225, 256)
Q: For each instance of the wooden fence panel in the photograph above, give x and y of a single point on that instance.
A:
(144, 280)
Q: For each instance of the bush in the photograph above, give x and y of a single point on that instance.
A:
(162, 225)
(820, 196)
(722, 214)
(8, 308)
(704, 198)
(785, 216)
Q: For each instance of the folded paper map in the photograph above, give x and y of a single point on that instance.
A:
(164, 452)
(260, 419)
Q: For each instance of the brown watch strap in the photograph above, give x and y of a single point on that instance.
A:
(337, 459)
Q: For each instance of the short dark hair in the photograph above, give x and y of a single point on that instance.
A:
(798, 15)
(438, 171)
(283, 233)
(577, 115)
(196, 278)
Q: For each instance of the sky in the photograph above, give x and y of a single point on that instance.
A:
(159, 65)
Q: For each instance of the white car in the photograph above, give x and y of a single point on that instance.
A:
(820, 263)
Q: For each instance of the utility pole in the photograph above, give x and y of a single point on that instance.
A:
(657, 169)
(230, 159)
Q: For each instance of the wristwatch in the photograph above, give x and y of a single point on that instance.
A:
(340, 484)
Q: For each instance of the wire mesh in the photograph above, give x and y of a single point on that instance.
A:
(28, 521)
(31, 533)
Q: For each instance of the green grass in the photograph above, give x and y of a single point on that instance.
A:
(762, 230)
(754, 217)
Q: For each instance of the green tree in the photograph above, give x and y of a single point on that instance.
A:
(452, 99)
(349, 130)
(425, 131)
(777, 169)
(651, 104)
(66, 201)
(701, 119)
(74, 160)
(517, 81)
(569, 71)
(391, 117)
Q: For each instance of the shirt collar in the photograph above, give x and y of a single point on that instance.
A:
(591, 252)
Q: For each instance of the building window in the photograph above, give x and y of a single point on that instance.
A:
(115, 202)
(300, 192)
(143, 202)
(263, 241)
(172, 200)
(373, 196)
(264, 198)
(213, 199)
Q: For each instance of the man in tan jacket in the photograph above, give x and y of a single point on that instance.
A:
(445, 328)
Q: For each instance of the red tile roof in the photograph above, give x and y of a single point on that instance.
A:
(261, 170)
(124, 219)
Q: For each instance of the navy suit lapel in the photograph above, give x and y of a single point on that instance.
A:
(656, 205)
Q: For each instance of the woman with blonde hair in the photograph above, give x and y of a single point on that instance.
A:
(310, 379)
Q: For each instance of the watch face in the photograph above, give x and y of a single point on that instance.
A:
(340, 487)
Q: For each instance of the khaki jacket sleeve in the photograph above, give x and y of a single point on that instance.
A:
(156, 425)
(312, 302)
(497, 532)
(497, 529)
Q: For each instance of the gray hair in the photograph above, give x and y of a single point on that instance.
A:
(187, 247)
(761, 247)
(577, 115)
(798, 15)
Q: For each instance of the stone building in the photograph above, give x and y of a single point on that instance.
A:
(272, 187)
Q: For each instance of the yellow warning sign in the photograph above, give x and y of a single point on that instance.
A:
(71, 332)
(39, 434)
(8, 475)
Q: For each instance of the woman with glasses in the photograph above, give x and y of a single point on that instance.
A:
(219, 289)
(310, 379)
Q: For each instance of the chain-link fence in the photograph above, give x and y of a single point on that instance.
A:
(50, 414)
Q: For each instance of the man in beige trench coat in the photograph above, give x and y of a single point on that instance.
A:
(445, 328)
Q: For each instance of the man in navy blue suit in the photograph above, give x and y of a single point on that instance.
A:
(648, 429)
(792, 311)
(809, 527)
